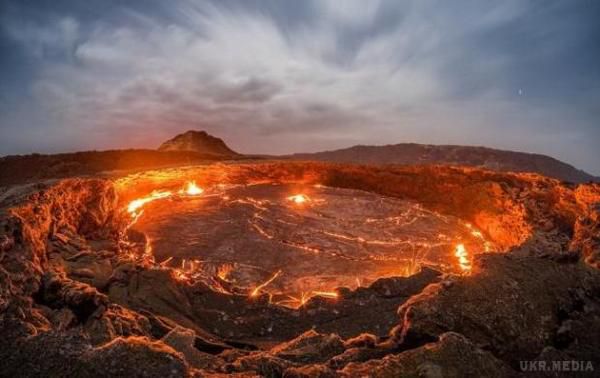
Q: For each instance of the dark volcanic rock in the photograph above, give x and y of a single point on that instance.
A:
(133, 357)
(452, 356)
(197, 141)
(310, 347)
(514, 307)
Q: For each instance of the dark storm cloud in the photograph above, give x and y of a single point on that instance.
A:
(284, 76)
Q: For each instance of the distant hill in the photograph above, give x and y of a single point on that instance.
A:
(412, 153)
(198, 141)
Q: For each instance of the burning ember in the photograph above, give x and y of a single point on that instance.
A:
(298, 199)
(461, 252)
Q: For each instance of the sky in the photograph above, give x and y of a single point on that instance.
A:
(301, 76)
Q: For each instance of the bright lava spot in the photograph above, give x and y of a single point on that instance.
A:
(137, 204)
(224, 270)
(191, 189)
(134, 208)
(461, 252)
(326, 294)
(298, 198)
(487, 246)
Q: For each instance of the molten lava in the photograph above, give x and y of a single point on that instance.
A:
(326, 294)
(135, 206)
(224, 270)
(463, 257)
(191, 189)
(295, 302)
(298, 199)
(486, 244)
(257, 289)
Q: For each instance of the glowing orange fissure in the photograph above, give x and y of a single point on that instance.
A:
(293, 302)
(257, 289)
(298, 302)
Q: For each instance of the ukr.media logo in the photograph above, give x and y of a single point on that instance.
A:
(557, 366)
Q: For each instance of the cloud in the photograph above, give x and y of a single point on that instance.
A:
(278, 78)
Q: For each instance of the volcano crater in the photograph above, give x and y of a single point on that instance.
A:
(299, 259)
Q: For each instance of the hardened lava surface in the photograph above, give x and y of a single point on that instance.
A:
(332, 238)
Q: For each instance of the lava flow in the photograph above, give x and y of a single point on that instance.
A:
(135, 207)
(463, 257)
